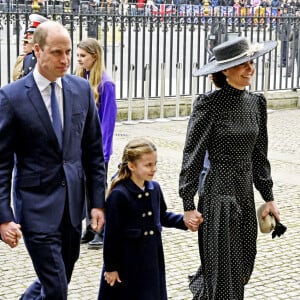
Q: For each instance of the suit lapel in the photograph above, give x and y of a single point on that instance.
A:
(37, 101)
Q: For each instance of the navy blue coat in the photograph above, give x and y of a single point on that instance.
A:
(29, 63)
(133, 243)
(45, 174)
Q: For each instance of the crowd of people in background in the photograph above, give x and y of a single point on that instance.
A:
(259, 8)
(76, 5)
(243, 3)
(197, 7)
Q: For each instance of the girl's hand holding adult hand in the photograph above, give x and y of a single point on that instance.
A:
(192, 219)
(11, 233)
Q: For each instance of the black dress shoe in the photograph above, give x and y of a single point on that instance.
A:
(191, 277)
(97, 242)
(86, 237)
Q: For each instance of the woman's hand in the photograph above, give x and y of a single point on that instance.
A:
(271, 207)
(192, 219)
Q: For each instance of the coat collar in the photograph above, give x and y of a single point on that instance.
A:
(133, 188)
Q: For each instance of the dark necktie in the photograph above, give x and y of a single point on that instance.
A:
(56, 120)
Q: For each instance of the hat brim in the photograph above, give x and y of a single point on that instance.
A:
(30, 30)
(37, 18)
(214, 67)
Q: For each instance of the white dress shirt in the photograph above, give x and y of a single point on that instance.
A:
(43, 85)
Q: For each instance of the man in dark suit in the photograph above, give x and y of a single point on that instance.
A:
(56, 154)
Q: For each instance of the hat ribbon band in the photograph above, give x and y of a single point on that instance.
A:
(252, 49)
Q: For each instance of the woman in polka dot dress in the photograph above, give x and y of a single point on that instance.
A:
(231, 124)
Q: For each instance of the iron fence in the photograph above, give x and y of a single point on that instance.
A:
(158, 47)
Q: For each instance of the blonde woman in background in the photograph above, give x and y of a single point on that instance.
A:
(91, 66)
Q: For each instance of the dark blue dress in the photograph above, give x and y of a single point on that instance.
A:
(133, 243)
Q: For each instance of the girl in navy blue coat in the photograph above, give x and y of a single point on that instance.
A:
(134, 266)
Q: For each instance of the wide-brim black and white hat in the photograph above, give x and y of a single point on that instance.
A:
(233, 53)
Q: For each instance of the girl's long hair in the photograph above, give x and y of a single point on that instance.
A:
(92, 47)
(132, 152)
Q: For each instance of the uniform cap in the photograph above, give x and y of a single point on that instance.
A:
(35, 20)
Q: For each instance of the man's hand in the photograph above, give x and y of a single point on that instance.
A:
(97, 221)
(112, 277)
(192, 219)
(11, 233)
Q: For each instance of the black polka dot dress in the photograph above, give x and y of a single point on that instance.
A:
(232, 126)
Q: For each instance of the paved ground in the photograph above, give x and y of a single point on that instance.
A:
(277, 269)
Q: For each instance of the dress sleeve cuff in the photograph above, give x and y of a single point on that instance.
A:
(188, 205)
(268, 196)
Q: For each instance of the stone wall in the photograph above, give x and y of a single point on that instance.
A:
(276, 100)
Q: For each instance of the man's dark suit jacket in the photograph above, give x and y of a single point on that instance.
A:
(44, 174)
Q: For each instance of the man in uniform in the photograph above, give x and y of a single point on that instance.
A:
(30, 59)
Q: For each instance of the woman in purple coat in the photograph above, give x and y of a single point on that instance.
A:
(91, 66)
(134, 266)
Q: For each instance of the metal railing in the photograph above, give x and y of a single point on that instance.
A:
(160, 43)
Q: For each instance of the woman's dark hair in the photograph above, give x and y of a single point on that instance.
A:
(219, 79)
